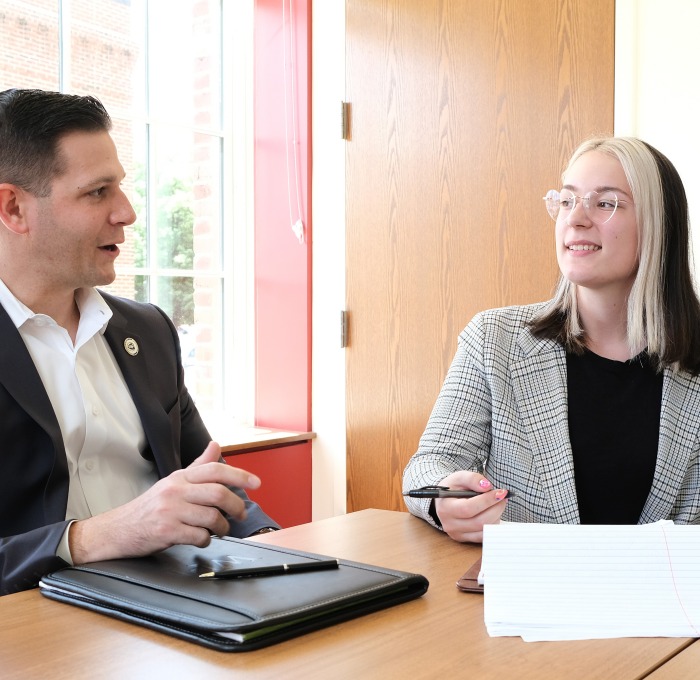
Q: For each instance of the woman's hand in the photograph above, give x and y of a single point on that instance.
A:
(463, 519)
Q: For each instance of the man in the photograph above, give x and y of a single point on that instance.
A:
(102, 451)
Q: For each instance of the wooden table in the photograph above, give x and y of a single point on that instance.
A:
(683, 666)
(439, 635)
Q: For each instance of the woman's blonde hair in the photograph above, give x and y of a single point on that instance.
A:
(663, 311)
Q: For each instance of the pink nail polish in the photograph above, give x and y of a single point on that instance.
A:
(484, 483)
(501, 494)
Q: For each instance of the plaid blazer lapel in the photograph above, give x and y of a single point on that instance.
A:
(678, 442)
(539, 385)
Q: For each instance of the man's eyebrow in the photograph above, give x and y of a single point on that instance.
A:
(99, 181)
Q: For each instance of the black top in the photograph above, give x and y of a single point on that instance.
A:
(614, 413)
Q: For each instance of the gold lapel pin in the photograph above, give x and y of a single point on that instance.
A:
(131, 346)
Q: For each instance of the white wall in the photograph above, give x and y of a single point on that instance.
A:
(657, 52)
(328, 212)
(657, 98)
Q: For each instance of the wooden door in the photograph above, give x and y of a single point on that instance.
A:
(462, 115)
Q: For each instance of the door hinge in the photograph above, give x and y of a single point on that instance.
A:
(343, 329)
(345, 120)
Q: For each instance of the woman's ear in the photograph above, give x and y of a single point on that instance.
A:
(13, 204)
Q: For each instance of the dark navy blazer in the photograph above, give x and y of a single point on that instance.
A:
(33, 465)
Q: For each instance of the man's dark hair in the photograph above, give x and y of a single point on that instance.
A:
(32, 123)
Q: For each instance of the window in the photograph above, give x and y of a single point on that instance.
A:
(168, 79)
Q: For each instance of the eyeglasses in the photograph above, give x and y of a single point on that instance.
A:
(600, 206)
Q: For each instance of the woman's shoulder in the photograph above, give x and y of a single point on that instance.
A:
(500, 331)
(507, 319)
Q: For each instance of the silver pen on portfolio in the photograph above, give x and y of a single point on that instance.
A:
(273, 569)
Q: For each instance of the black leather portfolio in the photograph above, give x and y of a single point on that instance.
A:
(165, 592)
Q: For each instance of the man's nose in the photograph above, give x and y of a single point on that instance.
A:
(124, 212)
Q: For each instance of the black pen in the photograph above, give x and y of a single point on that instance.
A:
(446, 492)
(273, 569)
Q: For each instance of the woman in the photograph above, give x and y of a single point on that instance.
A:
(587, 407)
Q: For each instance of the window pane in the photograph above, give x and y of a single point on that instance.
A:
(186, 170)
(157, 66)
(184, 82)
(106, 52)
(132, 286)
(29, 44)
(194, 305)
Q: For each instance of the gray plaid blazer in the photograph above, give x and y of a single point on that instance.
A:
(503, 410)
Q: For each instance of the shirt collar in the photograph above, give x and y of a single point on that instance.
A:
(94, 311)
(93, 308)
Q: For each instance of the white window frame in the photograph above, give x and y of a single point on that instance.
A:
(237, 388)
(239, 241)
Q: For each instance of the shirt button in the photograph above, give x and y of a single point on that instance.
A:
(90, 466)
(95, 410)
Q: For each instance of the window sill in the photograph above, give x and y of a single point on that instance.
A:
(241, 439)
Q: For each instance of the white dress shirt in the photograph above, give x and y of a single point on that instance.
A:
(101, 428)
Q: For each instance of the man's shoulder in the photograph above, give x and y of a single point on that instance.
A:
(137, 317)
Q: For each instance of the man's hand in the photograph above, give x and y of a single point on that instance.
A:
(463, 519)
(184, 508)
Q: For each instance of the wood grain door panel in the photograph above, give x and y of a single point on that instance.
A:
(463, 114)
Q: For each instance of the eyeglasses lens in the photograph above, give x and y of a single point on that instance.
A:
(600, 206)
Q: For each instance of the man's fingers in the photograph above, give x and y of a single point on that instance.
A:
(221, 473)
(216, 496)
(209, 468)
(212, 454)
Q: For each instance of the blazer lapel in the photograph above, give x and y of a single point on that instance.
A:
(123, 343)
(678, 441)
(539, 384)
(19, 377)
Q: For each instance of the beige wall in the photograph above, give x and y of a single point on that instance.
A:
(656, 93)
(328, 195)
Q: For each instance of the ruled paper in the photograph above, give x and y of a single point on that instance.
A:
(570, 582)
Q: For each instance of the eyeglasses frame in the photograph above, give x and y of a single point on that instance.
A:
(585, 201)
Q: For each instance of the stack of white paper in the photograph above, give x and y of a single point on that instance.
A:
(569, 582)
